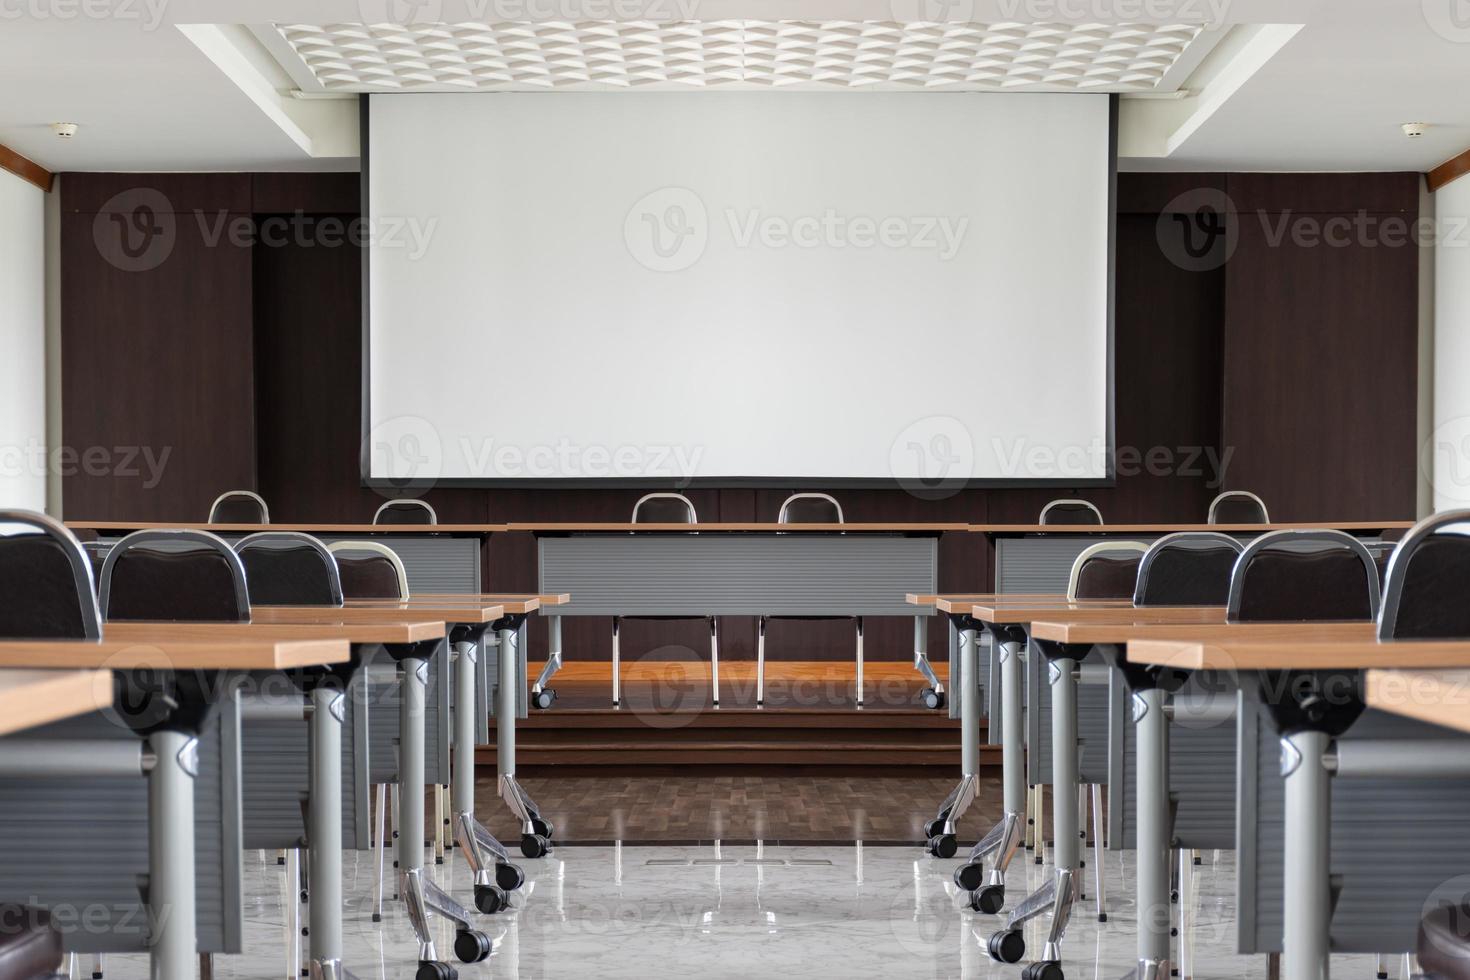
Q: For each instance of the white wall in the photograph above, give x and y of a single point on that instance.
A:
(1447, 455)
(22, 344)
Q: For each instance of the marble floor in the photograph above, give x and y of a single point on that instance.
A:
(733, 911)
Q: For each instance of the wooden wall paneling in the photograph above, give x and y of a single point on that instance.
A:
(1320, 366)
(156, 344)
(26, 169)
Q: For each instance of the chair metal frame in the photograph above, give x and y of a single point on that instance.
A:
(206, 540)
(406, 503)
(299, 538)
(265, 511)
(1070, 500)
(375, 548)
(1272, 540)
(1174, 540)
(1102, 547)
(76, 556)
(1226, 495)
(1398, 565)
(786, 505)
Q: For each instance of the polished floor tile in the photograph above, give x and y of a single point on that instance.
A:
(719, 911)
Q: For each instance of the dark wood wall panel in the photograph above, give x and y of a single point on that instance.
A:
(1259, 357)
(156, 344)
(1321, 345)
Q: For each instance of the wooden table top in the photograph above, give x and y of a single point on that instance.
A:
(388, 632)
(29, 698)
(307, 528)
(450, 598)
(952, 599)
(770, 527)
(451, 612)
(1064, 630)
(1440, 697)
(164, 654)
(1095, 611)
(358, 614)
(1313, 647)
(508, 604)
(1171, 528)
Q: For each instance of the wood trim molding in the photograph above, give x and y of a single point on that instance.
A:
(1451, 169)
(25, 169)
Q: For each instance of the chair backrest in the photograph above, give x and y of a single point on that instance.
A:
(1106, 570)
(1070, 512)
(1303, 576)
(178, 575)
(369, 570)
(1424, 590)
(405, 511)
(1238, 507)
(239, 507)
(664, 508)
(1189, 568)
(810, 508)
(288, 568)
(46, 586)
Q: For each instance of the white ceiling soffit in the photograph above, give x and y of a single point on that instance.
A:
(739, 54)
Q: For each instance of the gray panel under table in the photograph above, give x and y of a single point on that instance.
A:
(487, 690)
(1394, 841)
(737, 574)
(1202, 786)
(276, 767)
(384, 680)
(80, 846)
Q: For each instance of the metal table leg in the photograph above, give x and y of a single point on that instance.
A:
(175, 763)
(1307, 901)
(535, 832)
(941, 830)
(324, 832)
(933, 695)
(421, 895)
(1152, 751)
(494, 875)
(541, 695)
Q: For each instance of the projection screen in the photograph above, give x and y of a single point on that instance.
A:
(786, 289)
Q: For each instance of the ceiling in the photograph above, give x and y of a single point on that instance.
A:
(191, 85)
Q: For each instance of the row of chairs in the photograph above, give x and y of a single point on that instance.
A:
(1411, 590)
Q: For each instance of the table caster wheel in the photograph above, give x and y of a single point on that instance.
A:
(943, 846)
(988, 900)
(934, 827)
(542, 828)
(471, 946)
(1047, 970)
(534, 845)
(434, 970)
(544, 698)
(1007, 946)
(932, 699)
(968, 877)
(509, 876)
(488, 899)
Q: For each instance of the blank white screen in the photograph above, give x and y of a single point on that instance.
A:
(739, 285)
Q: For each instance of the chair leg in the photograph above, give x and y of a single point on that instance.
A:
(760, 662)
(616, 671)
(380, 849)
(96, 966)
(438, 824)
(1098, 839)
(714, 658)
(860, 661)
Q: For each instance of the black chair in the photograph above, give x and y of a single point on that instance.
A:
(1238, 507)
(1107, 570)
(1303, 576)
(1424, 589)
(288, 568)
(405, 511)
(369, 570)
(805, 508)
(239, 507)
(1189, 568)
(178, 575)
(46, 579)
(665, 508)
(1070, 512)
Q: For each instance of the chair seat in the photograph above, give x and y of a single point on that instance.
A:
(29, 948)
(1444, 943)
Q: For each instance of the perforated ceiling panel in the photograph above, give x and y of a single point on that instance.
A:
(744, 54)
